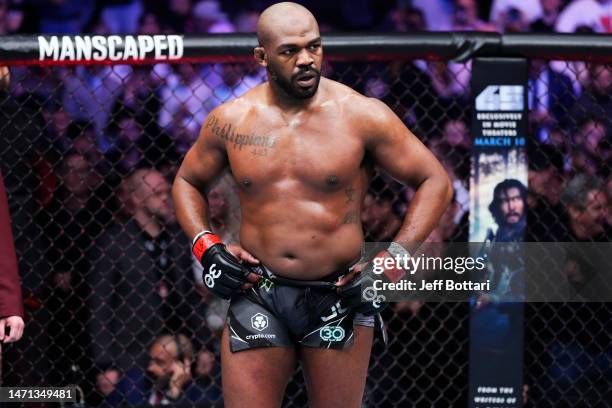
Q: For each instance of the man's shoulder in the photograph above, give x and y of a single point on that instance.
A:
(237, 108)
(355, 103)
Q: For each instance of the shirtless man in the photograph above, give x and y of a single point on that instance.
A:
(297, 146)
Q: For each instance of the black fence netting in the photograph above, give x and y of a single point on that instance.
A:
(88, 154)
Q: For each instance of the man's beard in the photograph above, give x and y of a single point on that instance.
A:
(291, 87)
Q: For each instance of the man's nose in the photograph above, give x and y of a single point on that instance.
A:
(304, 58)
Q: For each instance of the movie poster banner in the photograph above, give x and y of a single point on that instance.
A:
(498, 204)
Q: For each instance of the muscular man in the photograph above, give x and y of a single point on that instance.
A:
(297, 146)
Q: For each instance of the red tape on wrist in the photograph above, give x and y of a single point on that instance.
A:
(394, 274)
(203, 243)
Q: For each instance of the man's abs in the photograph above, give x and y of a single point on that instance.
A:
(306, 245)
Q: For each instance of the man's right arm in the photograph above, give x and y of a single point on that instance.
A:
(202, 164)
(223, 273)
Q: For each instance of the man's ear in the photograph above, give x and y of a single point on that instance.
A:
(260, 56)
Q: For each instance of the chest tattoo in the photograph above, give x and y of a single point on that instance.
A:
(227, 132)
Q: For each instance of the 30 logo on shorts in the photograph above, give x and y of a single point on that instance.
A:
(332, 333)
(259, 321)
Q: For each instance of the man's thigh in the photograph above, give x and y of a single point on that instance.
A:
(336, 378)
(256, 377)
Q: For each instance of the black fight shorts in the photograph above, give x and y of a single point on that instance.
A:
(279, 315)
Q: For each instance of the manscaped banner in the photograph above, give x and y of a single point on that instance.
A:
(498, 204)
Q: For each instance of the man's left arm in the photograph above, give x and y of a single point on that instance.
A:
(398, 151)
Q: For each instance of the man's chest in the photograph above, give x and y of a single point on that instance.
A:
(312, 151)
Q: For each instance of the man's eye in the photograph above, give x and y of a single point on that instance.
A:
(287, 52)
(315, 46)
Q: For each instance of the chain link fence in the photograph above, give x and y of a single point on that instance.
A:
(88, 154)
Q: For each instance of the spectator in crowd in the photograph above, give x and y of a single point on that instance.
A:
(595, 14)
(149, 24)
(140, 97)
(184, 95)
(544, 195)
(450, 80)
(128, 142)
(136, 147)
(456, 133)
(121, 16)
(178, 16)
(513, 20)
(90, 92)
(545, 23)
(596, 100)
(590, 147)
(139, 278)
(586, 206)
(106, 382)
(11, 306)
(438, 14)
(167, 379)
(64, 16)
(11, 18)
(405, 19)
(550, 96)
(207, 374)
(528, 10)
(59, 120)
(209, 18)
(232, 85)
(83, 140)
(71, 222)
(465, 17)
(509, 209)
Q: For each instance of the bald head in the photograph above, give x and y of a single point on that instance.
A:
(284, 19)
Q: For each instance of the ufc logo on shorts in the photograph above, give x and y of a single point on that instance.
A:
(213, 273)
(335, 311)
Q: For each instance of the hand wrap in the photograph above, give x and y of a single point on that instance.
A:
(223, 273)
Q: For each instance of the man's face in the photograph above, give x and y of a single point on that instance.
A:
(591, 135)
(160, 364)
(593, 217)
(511, 205)
(76, 175)
(154, 196)
(205, 363)
(294, 57)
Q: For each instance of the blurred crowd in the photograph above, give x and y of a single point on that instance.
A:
(89, 153)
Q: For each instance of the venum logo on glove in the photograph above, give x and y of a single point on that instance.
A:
(212, 274)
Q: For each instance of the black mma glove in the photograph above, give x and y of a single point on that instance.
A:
(360, 294)
(223, 273)
(364, 300)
